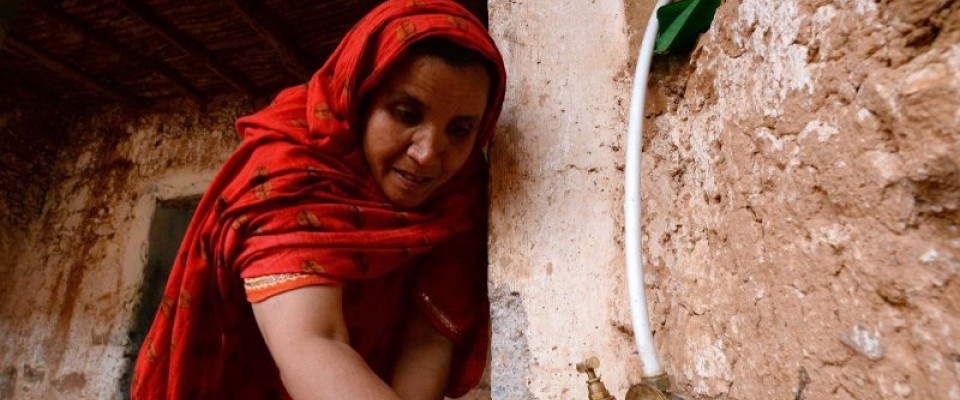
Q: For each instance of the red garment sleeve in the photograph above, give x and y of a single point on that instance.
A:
(450, 290)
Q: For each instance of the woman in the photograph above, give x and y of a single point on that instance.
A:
(340, 253)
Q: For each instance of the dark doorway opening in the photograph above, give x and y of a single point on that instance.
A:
(167, 228)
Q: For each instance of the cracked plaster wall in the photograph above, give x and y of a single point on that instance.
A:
(27, 154)
(556, 264)
(802, 202)
(66, 304)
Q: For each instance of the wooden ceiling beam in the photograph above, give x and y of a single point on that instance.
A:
(8, 12)
(24, 88)
(369, 5)
(260, 21)
(26, 50)
(190, 46)
(61, 17)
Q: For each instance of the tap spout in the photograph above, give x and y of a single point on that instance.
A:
(596, 390)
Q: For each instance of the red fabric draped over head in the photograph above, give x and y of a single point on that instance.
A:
(296, 203)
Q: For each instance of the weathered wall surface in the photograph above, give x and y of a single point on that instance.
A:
(28, 151)
(802, 202)
(65, 305)
(31, 142)
(27, 155)
(556, 273)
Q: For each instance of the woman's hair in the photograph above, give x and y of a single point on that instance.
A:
(453, 54)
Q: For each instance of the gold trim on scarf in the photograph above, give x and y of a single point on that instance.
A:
(268, 281)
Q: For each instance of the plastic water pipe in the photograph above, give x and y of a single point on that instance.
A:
(638, 301)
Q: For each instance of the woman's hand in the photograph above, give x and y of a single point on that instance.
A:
(307, 337)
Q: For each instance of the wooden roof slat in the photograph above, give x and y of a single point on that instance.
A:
(8, 11)
(156, 49)
(187, 44)
(25, 87)
(370, 4)
(55, 13)
(260, 21)
(16, 45)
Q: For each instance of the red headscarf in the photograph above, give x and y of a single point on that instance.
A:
(296, 199)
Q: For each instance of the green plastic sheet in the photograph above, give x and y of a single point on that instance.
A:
(682, 22)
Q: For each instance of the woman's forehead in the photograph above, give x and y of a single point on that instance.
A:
(432, 82)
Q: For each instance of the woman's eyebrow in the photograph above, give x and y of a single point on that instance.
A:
(472, 119)
(402, 96)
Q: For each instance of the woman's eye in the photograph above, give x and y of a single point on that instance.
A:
(406, 115)
(461, 130)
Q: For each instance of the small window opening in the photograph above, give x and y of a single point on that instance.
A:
(167, 228)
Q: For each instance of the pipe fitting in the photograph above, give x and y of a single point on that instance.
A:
(660, 382)
(596, 390)
(643, 391)
(652, 388)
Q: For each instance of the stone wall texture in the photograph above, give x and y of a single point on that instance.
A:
(28, 152)
(556, 259)
(67, 297)
(801, 201)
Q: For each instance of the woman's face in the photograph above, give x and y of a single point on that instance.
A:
(422, 123)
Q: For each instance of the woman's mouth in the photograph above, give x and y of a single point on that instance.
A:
(413, 178)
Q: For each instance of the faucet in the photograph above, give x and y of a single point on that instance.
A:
(595, 387)
(650, 388)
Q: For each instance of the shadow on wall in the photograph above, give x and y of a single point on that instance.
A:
(167, 228)
(510, 325)
(8, 382)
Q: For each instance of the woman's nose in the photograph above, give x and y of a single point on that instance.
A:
(427, 147)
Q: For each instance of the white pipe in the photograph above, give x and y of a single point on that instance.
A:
(638, 301)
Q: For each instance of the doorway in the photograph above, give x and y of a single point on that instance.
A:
(167, 228)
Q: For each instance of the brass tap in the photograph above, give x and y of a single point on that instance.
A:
(643, 391)
(595, 388)
(652, 388)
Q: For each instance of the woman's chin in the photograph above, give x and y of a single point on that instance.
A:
(406, 199)
(405, 193)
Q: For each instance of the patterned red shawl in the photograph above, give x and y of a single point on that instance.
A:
(296, 198)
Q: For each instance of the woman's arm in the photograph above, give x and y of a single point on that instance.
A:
(423, 366)
(307, 337)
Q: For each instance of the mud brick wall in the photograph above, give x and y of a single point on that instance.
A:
(802, 202)
(67, 298)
